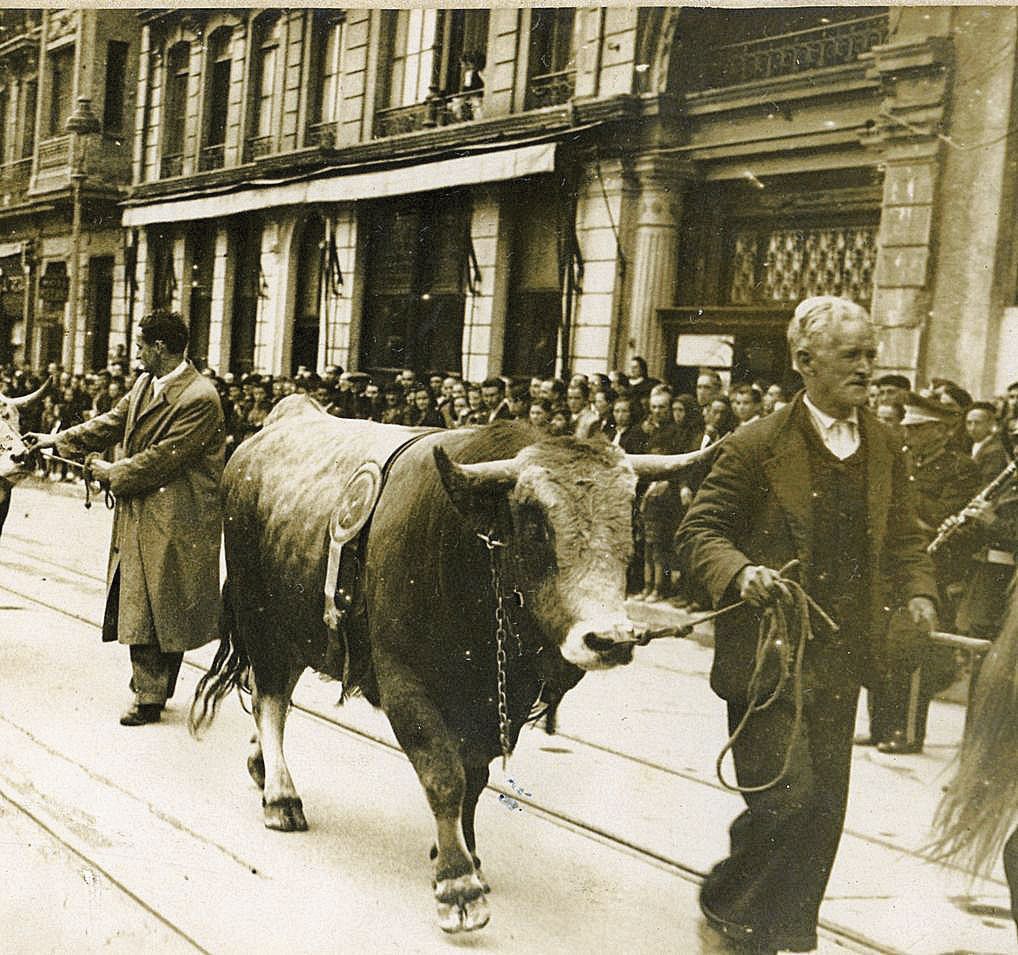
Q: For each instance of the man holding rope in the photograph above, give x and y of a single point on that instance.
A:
(822, 483)
(163, 574)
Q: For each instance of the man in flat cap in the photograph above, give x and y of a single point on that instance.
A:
(893, 389)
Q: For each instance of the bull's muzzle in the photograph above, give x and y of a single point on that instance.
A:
(598, 646)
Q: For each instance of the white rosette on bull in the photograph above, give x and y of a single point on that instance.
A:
(494, 561)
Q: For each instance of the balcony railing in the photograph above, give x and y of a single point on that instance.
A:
(172, 164)
(54, 153)
(551, 89)
(18, 23)
(211, 157)
(323, 135)
(14, 179)
(749, 61)
(256, 147)
(436, 110)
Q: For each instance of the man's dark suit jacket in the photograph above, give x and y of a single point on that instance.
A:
(991, 459)
(755, 507)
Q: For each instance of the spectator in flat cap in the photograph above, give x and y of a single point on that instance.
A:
(894, 389)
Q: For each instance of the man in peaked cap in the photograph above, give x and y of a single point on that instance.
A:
(945, 480)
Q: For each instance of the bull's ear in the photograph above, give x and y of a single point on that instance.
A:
(474, 489)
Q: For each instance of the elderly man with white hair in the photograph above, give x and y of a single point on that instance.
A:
(820, 482)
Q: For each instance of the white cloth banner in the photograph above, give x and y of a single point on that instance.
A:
(376, 184)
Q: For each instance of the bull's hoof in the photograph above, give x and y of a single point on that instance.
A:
(462, 906)
(285, 815)
(256, 769)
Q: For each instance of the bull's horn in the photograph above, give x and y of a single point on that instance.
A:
(658, 467)
(486, 474)
(28, 399)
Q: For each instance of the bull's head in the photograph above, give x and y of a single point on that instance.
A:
(564, 511)
(12, 448)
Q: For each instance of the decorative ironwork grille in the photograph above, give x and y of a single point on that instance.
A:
(55, 152)
(171, 165)
(436, 110)
(789, 265)
(835, 44)
(211, 157)
(551, 89)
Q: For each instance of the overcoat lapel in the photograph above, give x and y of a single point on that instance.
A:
(144, 392)
(788, 474)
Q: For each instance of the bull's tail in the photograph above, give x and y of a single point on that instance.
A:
(230, 670)
(981, 804)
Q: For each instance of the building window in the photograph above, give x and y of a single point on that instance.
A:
(789, 265)
(263, 84)
(438, 58)
(307, 318)
(327, 70)
(217, 99)
(247, 245)
(61, 76)
(30, 102)
(413, 56)
(202, 242)
(164, 279)
(415, 297)
(535, 281)
(175, 114)
(116, 80)
(552, 56)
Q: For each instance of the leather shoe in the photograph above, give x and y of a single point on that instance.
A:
(898, 745)
(141, 713)
(864, 739)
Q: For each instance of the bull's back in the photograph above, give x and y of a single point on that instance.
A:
(282, 486)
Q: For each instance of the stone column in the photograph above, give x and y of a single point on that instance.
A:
(914, 76)
(654, 261)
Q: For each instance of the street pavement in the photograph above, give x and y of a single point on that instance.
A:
(592, 838)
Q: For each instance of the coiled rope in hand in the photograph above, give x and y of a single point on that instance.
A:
(782, 635)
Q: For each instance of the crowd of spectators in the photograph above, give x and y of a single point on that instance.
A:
(630, 409)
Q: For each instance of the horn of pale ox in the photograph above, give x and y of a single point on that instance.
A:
(25, 400)
(485, 475)
(658, 467)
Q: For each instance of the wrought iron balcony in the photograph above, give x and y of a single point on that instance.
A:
(256, 147)
(55, 153)
(14, 180)
(17, 24)
(749, 61)
(323, 135)
(551, 89)
(436, 110)
(211, 157)
(172, 164)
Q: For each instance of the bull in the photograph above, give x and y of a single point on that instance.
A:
(12, 449)
(475, 531)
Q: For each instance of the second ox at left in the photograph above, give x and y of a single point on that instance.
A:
(493, 567)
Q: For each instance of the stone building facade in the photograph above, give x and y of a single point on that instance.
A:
(61, 243)
(532, 190)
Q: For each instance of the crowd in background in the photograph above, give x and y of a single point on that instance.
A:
(630, 409)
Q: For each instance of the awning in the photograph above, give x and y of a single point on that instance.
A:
(8, 249)
(495, 166)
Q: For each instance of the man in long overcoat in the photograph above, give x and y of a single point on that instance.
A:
(163, 574)
(820, 481)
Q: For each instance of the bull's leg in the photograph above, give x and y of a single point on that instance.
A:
(271, 701)
(256, 762)
(476, 780)
(433, 751)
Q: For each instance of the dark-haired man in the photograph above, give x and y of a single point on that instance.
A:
(163, 574)
(988, 450)
(493, 396)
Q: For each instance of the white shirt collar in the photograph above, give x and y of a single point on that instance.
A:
(979, 445)
(825, 421)
(158, 384)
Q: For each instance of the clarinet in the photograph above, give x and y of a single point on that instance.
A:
(986, 496)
